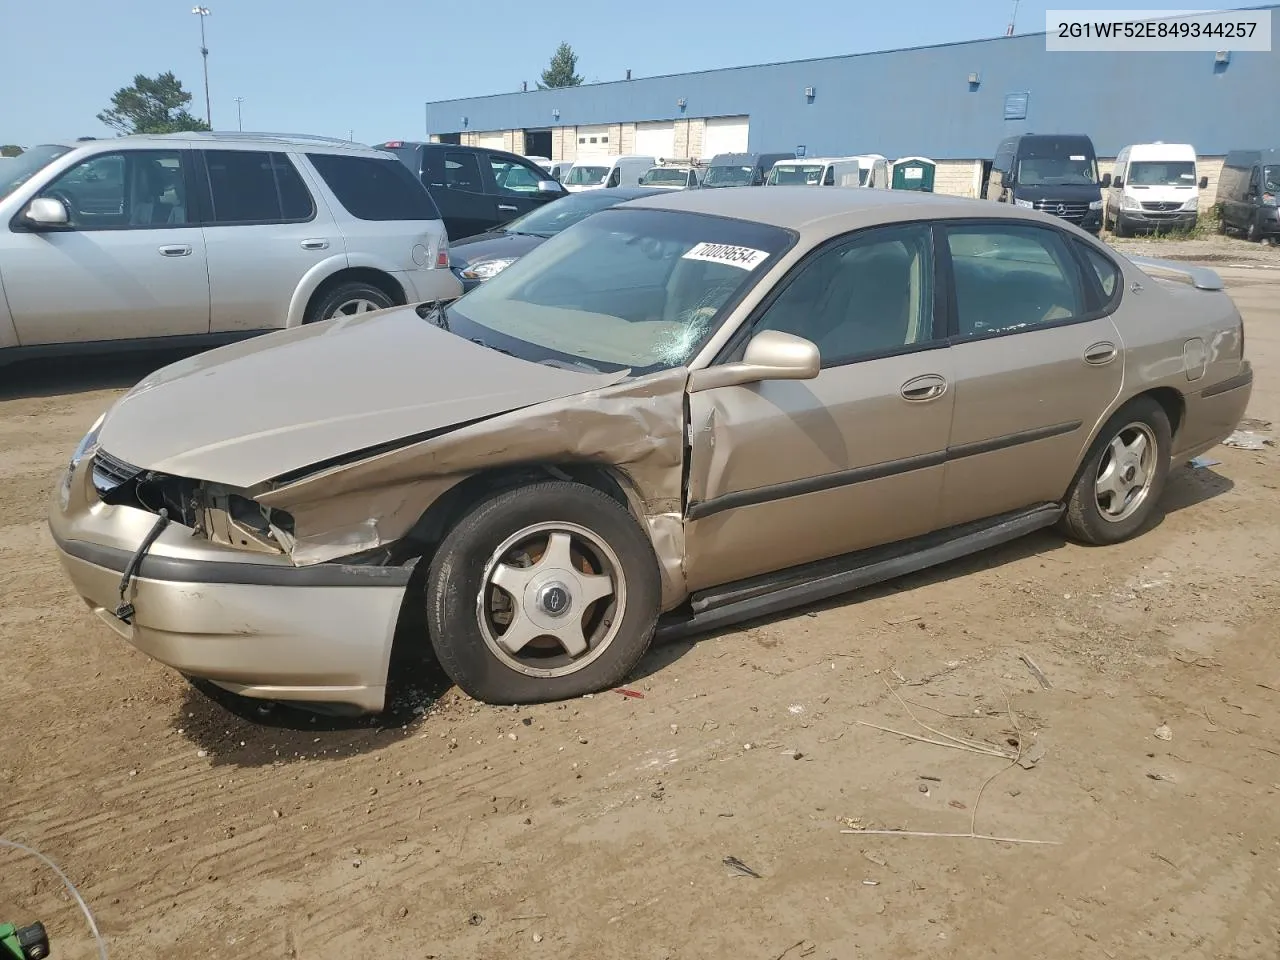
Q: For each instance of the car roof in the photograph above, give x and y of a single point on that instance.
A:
(301, 140)
(829, 209)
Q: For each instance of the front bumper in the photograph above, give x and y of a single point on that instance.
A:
(254, 624)
(1146, 220)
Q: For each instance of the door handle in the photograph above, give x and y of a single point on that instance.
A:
(506, 208)
(318, 244)
(176, 250)
(1100, 353)
(919, 389)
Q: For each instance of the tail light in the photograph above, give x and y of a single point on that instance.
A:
(442, 254)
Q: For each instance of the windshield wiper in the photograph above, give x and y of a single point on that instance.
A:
(479, 342)
(570, 365)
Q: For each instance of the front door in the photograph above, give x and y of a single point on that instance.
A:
(786, 472)
(515, 186)
(130, 263)
(1037, 362)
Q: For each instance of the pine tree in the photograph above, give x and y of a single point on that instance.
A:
(560, 73)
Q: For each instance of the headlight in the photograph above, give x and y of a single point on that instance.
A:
(1192, 204)
(1129, 203)
(86, 447)
(1024, 204)
(1095, 205)
(486, 269)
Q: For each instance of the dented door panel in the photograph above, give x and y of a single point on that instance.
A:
(786, 472)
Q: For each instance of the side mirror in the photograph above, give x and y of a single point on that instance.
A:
(1204, 183)
(550, 186)
(1118, 183)
(1106, 180)
(46, 213)
(770, 355)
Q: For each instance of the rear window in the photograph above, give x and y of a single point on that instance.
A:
(251, 186)
(373, 188)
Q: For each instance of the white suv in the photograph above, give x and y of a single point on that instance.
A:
(207, 238)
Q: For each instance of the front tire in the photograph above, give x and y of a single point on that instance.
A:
(348, 299)
(542, 593)
(1123, 476)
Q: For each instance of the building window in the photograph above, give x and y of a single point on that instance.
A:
(604, 139)
(582, 139)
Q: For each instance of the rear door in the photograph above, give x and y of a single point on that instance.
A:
(457, 185)
(264, 230)
(130, 263)
(1037, 362)
(785, 472)
(514, 185)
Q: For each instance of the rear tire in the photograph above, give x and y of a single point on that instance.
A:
(505, 626)
(1120, 482)
(1253, 234)
(348, 299)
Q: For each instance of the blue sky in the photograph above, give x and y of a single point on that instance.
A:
(336, 67)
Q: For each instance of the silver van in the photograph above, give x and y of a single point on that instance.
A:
(204, 238)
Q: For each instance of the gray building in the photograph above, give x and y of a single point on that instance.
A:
(951, 102)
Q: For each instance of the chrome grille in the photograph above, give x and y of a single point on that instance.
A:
(1161, 206)
(109, 472)
(1072, 210)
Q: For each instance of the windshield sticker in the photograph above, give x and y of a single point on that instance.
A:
(745, 258)
(1077, 156)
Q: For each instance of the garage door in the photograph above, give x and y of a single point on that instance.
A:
(594, 142)
(656, 139)
(725, 135)
(492, 140)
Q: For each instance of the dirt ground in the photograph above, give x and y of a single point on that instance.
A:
(599, 828)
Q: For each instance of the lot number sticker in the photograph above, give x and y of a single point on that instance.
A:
(745, 258)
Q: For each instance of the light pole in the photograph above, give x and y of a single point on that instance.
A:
(239, 121)
(203, 12)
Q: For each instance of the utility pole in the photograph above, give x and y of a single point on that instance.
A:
(203, 12)
(239, 120)
(1013, 19)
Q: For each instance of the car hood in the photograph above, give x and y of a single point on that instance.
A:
(249, 412)
(491, 246)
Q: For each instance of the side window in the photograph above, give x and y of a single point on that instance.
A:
(1107, 272)
(868, 296)
(370, 188)
(135, 189)
(615, 177)
(829, 178)
(514, 178)
(256, 186)
(462, 172)
(1010, 277)
(1255, 178)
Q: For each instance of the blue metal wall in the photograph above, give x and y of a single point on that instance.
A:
(919, 101)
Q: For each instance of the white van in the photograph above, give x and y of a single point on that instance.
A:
(543, 162)
(592, 174)
(865, 170)
(1152, 186)
(559, 170)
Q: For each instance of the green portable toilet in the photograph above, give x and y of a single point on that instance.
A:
(913, 173)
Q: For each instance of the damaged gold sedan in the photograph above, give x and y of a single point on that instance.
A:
(680, 413)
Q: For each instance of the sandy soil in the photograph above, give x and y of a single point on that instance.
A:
(599, 828)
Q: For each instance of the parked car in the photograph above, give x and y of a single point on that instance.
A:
(476, 188)
(560, 169)
(598, 172)
(484, 256)
(1248, 188)
(1152, 186)
(682, 412)
(1055, 173)
(204, 238)
(671, 176)
(869, 170)
(741, 169)
(543, 163)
